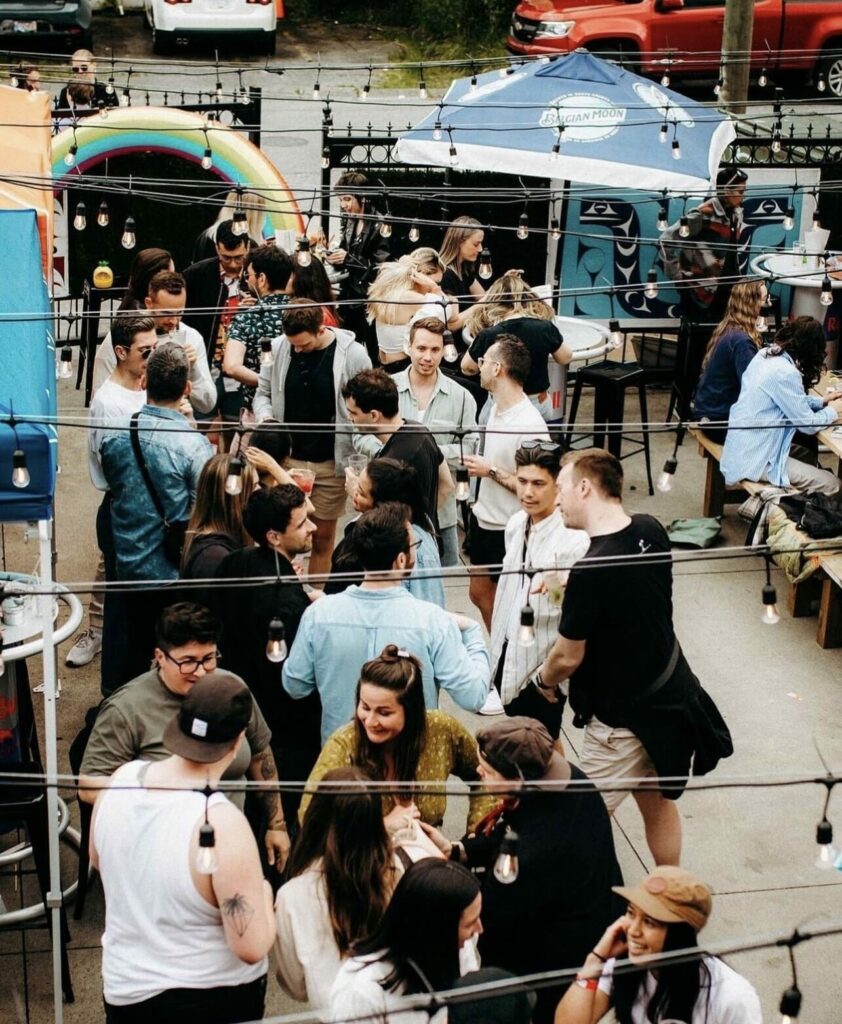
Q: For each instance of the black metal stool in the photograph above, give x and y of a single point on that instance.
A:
(610, 382)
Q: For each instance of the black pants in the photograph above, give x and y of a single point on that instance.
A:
(228, 1004)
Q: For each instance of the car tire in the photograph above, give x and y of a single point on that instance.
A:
(831, 68)
(163, 43)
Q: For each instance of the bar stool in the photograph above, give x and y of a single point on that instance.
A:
(610, 382)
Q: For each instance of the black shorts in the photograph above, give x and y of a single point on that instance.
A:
(486, 547)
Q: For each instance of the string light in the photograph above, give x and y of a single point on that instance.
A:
(676, 149)
(126, 98)
(207, 159)
(615, 335)
(776, 140)
(80, 221)
(325, 158)
(367, 87)
(463, 483)
(789, 218)
(663, 218)
(555, 229)
(473, 86)
(650, 289)
(276, 645)
(826, 297)
(817, 222)
(663, 132)
(450, 352)
(683, 226)
(790, 1005)
(665, 79)
(70, 156)
(827, 853)
(234, 480)
(763, 79)
(506, 866)
(523, 226)
(302, 255)
(769, 596)
(414, 232)
(317, 85)
(20, 472)
(665, 480)
(526, 632)
(821, 84)
(453, 156)
(14, 81)
(437, 132)
(129, 237)
(717, 89)
(207, 861)
(385, 227)
(65, 365)
(484, 268)
(422, 85)
(266, 356)
(103, 217)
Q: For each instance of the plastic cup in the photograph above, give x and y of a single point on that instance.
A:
(304, 478)
(357, 463)
(554, 582)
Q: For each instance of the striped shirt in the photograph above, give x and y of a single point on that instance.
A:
(773, 403)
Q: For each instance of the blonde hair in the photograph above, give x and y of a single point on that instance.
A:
(395, 279)
(509, 294)
(744, 305)
(459, 231)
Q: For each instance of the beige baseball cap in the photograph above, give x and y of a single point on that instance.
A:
(671, 894)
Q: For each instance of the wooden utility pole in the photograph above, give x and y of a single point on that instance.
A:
(736, 46)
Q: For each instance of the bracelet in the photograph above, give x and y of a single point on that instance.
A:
(550, 687)
(599, 956)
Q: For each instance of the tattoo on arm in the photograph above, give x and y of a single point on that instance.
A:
(239, 912)
(264, 769)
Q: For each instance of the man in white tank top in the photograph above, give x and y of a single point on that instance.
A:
(188, 914)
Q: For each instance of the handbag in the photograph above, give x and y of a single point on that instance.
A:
(175, 530)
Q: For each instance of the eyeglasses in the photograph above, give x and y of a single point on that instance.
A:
(80, 70)
(484, 359)
(145, 353)
(187, 666)
(544, 446)
(415, 543)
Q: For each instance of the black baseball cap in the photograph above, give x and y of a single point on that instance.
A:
(214, 713)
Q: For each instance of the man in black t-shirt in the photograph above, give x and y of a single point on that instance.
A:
(371, 398)
(644, 712)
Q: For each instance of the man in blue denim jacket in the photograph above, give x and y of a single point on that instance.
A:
(174, 455)
(339, 633)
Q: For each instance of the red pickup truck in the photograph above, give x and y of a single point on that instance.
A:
(685, 36)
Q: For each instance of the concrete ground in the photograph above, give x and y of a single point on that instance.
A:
(779, 692)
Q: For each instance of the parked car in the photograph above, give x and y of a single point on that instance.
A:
(175, 22)
(48, 25)
(685, 36)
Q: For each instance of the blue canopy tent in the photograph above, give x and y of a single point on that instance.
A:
(577, 118)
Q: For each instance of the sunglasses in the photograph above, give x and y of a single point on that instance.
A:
(544, 446)
(80, 69)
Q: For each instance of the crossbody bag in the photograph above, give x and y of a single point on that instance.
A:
(174, 530)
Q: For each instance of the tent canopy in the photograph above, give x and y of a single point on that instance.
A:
(577, 118)
(27, 369)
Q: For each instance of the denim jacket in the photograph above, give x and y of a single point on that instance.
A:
(174, 456)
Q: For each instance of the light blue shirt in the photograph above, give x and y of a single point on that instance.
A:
(427, 559)
(340, 632)
(772, 404)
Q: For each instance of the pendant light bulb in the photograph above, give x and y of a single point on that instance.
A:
(770, 616)
(450, 352)
(506, 866)
(65, 364)
(80, 221)
(827, 853)
(676, 149)
(207, 159)
(125, 99)
(790, 1005)
(821, 84)
(663, 133)
(650, 289)
(485, 269)
(717, 89)
(70, 156)
(385, 228)
(453, 156)
(526, 632)
(437, 132)
(473, 85)
(422, 89)
(103, 216)
(663, 221)
(523, 226)
(776, 141)
(463, 483)
(763, 80)
(365, 92)
(414, 232)
(317, 89)
(110, 87)
(206, 860)
(234, 480)
(266, 356)
(667, 476)
(276, 645)
(826, 297)
(240, 224)
(789, 219)
(683, 227)
(325, 158)
(817, 222)
(555, 230)
(665, 79)
(302, 256)
(615, 335)
(20, 474)
(129, 238)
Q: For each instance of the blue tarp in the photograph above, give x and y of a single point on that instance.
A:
(27, 369)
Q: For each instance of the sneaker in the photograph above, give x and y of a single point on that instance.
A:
(86, 648)
(493, 705)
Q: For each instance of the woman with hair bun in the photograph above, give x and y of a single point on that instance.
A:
(394, 738)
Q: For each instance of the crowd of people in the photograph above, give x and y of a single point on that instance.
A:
(240, 413)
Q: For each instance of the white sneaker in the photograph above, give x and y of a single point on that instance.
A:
(493, 705)
(86, 648)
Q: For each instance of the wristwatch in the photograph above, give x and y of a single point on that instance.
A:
(494, 474)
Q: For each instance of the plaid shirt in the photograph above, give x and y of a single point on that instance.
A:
(252, 324)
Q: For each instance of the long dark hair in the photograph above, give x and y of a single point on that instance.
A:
(803, 339)
(420, 929)
(347, 831)
(146, 265)
(678, 986)
(393, 480)
(311, 282)
(401, 674)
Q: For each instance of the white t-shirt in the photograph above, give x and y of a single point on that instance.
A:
(111, 402)
(495, 505)
(730, 999)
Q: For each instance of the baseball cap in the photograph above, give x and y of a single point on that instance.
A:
(671, 895)
(505, 1008)
(521, 747)
(212, 716)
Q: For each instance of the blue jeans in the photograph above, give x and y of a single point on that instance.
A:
(449, 546)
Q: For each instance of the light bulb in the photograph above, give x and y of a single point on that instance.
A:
(437, 133)
(790, 1005)
(473, 85)
(555, 230)
(789, 219)
(206, 860)
(20, 474)
(365, 92)
(70, 156)
(676, 149)
(303, 257)
(218, 91)
(770, 616)
(414, 233)
(816, 221)
(760, 324)
(240, 225)
(663, 132)
(526, 632)
(110, 87)
(615, 335)
(102, 217)
(317, 89)
(821, 85)
(80, 221)
(763, 80)
(717, 89)
(662, 222)
(485, 270)
(776, 142)
(683, 227)
(650, 289)
(14, 82)
(385, 229)
(506, 866)
(125, 99)
(454, 156)
(826, 297)
(266, 357)
(325, 158)
(129, 239)
(422, 90)
(65, 365)
(276, 645)
(463, 483)
(234, 480)
(523, 226)
(665, 79)
(827, 854)
(450, 352)
(664, 484)
(207, 159)
(555, 151)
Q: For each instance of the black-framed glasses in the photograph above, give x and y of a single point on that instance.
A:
(187, 666)
(544, 446)
(415, 543)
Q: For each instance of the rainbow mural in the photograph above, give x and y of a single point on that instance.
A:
(236, 160)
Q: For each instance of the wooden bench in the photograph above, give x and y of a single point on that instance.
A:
(830, 603)
(717, 492)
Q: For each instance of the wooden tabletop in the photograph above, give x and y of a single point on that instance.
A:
(829, 437)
